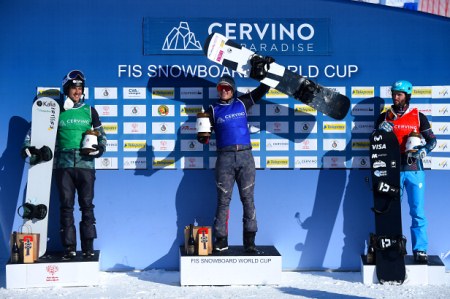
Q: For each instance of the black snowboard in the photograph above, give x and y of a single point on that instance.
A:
(388, 242)
(230, 54)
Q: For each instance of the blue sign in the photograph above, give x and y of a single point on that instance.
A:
(265, 36)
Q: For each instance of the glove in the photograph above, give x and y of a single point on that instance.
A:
(99, 150)
(203, 139)
(260, 65)
(386, 126)
(421, 152)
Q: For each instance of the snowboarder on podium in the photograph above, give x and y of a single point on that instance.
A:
(235, 163)
(75, 167)
(408, 124)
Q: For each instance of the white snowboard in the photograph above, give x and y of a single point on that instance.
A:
(44, 125)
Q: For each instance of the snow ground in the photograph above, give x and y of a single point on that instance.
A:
(166, 284)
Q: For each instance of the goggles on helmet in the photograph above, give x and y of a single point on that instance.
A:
(75, 74)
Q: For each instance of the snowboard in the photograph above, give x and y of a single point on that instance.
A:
(44, 125)
(230, 54)
(388, 243)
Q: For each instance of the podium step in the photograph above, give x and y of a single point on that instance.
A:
(231, 267)
(51, 270)
(432, 273)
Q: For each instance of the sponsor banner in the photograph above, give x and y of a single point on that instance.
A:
(422, 92)
(106, 110)
(134, 93)
(339, 89)
(305, 162)
(112, 146)
(134, 163)
(277, 109)
(241, 90)
(277, 144)
(256, 144)
(334, 144)
(163, 163)
(254, 127)
(267, 36)
(163, 93)
(334, 127)
(106, 163)
(188, 127)
(212, 145)
(440, 163)
(277, 127)
(191, 93)
(309, 144)
(385, 92)
(304, 110)
(134, 145)
(190, 145)
(254, 110)
(257, 160)
(441, 128)
(135, 128)
(427, 162)
(110, 127)
(305, 127)
(362, 126)
(105, 93)
(135, 110)
(277, 162)
(441, 92)
(362, 110)
(163, 110)
(424, 108)
(360, 144)
(165, 145)
(275, 94)
(360, 162)
(191, 163)
(441, 109)
(442, 145)
(163, 128)
(190, 110)
(363, 92)
(333, 162)
(50, 92)
(213, 94)
(212, 162)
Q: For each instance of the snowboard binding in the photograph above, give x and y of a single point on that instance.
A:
(31, 211)
(260, 66)
(37, 156)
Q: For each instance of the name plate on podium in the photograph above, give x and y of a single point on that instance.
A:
(231, 267)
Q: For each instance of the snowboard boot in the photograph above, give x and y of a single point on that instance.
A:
(420, 257)
(87, 247)
(249, 242)
(221, 244)
(69, 253)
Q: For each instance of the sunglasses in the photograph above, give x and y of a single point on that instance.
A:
(75, 74)
(225, 88)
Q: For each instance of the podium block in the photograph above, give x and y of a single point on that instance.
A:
(231, 267)
(51, 271)
(432, 273)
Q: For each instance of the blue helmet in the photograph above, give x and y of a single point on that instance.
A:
(402, 86)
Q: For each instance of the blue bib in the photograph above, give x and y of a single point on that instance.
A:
(230, 124)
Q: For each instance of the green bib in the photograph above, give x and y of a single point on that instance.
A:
(72, 124)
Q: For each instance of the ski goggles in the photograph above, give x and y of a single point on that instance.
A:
(75, 74)
(223, 87)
